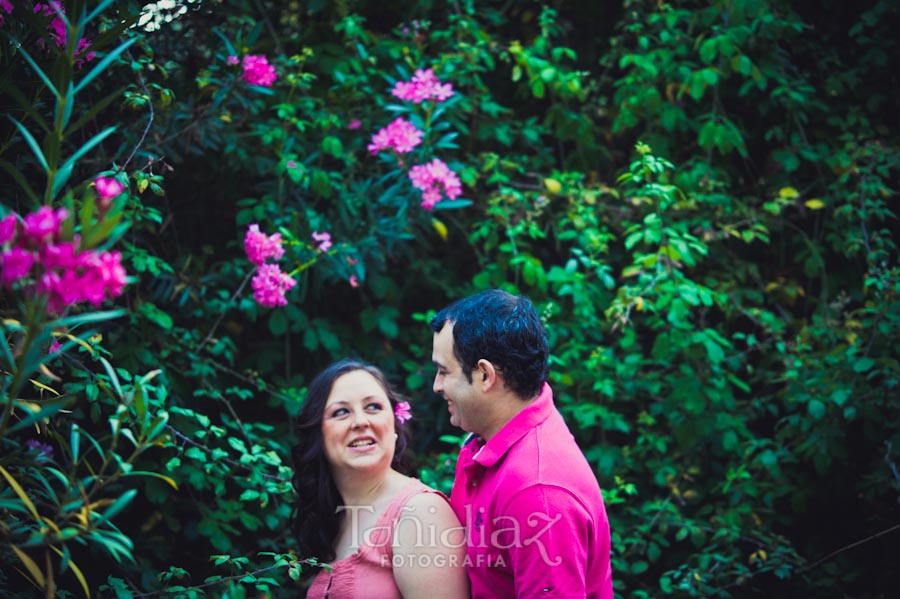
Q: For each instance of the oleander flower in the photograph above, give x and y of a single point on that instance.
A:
(44, 224)
(8, 227)
(6, 7)
(258, 71)
(260, 247)
(323, 241)
(15, 264)
(232, 60)
(400, 135)
(435, 179)
(270, 285)
(423, 86)
(108, 188)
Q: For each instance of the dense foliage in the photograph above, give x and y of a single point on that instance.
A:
(700, 198)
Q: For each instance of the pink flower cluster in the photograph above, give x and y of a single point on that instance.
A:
(107, 189)
(430, 178)
(58, 30)
(258, 71)
(423, 86)
(260, 247)
(6, 7)
(401, 136)
(269, 284)
(323, 240)
(33, 255)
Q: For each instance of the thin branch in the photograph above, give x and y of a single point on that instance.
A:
(851, 546)
(149, 121)
(222, 313)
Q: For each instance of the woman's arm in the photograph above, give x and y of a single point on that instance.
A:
(430, 550)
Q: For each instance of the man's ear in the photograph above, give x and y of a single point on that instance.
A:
(488, 375)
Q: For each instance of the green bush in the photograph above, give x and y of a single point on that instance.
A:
(701, 202)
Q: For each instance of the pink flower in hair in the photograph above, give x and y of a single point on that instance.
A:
(402, 411)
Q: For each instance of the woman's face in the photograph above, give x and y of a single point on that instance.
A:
(358, 424)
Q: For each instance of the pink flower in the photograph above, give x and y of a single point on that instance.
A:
(401, 136)
(258, 71)
(15, 264)
(291, 164)
(354, 124)
(44, 223)
(353, 282)
(111, 272)
(81, 56)
(423, 86)
(402, 411)
(108, 188)
(260, 247)
(232, 60)
(323, 241)
(8, 226)
(7, 8)
(54, 347)
(61, 255)
(431, 178)
(270, 285)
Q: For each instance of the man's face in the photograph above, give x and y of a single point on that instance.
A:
(464, 399)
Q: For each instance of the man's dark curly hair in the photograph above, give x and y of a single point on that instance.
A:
(504, 329)
(315, 520)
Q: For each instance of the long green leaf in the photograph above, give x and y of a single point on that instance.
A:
(22, 181)
(96, 107)
(99, 9)
(228, 44)
(119, 504)
(50, 407)
(171, 482)
(113, 377)
(6, 352)
(25, 104)
(100, 66)
(80, 319)
(67, 111)
(65, 171)
(20, 492)
(75, 441)
(35, 147)
(37, 69)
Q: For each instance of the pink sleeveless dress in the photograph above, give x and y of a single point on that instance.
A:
(368, 572)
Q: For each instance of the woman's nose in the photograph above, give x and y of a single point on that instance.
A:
(360, 419)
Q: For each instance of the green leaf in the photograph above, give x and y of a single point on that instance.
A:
(101, 66)
(65, 171)
(452, 204)
(119, 504)
(37, 69)
(816, 409)
(24, 185)
(32, 143)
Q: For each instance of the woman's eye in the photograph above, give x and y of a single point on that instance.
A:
(375, 406)
(339, 412)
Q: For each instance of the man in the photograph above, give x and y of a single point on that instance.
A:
(535, 519)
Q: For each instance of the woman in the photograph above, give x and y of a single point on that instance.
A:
(385, 535)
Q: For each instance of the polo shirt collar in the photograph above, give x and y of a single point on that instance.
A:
(534, 414)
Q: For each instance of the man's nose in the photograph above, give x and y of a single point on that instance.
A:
(438, 384)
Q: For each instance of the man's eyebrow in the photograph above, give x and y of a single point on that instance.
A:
(438, 364)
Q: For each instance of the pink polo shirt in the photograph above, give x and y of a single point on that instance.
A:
(535, 520)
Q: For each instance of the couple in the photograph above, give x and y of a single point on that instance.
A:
(525, 517)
